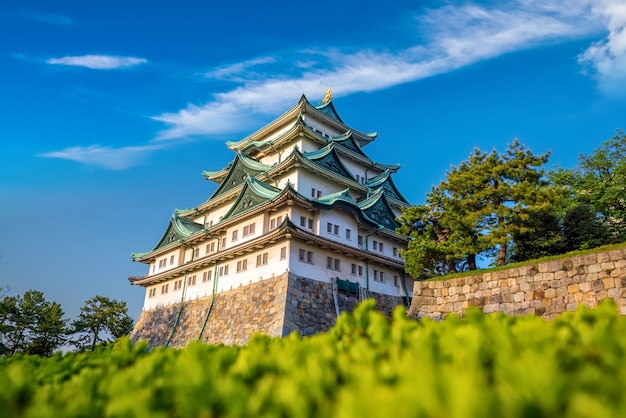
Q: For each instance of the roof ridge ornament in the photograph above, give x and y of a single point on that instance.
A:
(328, 97)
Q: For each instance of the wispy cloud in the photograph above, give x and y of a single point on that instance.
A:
(445, 39)
(106, 157)
(608, 57)
(98, 62)
(52, 18)
(238, 71)
(452, 37)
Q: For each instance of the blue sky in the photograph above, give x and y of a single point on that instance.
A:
(111, 110)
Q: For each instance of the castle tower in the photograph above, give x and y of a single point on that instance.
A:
(300, 227)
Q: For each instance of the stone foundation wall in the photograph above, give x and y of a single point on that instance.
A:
(276, 307)
(545, 289)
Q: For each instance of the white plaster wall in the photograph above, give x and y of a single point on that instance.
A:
(154, 267)
(253, 274)
(345, 221)
(325, 129)
(307, 181)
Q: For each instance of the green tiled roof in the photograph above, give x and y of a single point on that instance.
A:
(343, 195)
(377, 208)
(241, 167)
(384, 181)
(254, 193)
(177, 229)
(327, 158)
(329, 109)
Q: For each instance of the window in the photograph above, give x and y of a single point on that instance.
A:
(163, 263)
(223, 243)
(191, 280)
(272, 223)
(196, 252)
(283, 253)
(354, 269)
(178, 284)
(171, 260)
(261, 259)
(360, 240)
(358, 178)
(332, 228)
(206, 276)
(234, 237)
(152, 292)
(164, 288)
(306, 256)
(379, 276)
(380, 247)
(279, 220)
(224, 270)
(348, 234)
(360, 270)
(242, 265)
(319, 194)
(306, 222)
(395, 251)
(248, 230)
(312, 192)
(396, 281)
(333, 264)
(375, 245)
(210, 248)
(357, 270)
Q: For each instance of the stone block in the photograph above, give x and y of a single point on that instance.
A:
(608, 283)
(573, 288)
(594, 268)
(603, 257)
(584, 287)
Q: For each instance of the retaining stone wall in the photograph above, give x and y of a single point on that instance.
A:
(545, 289)
(275, 307)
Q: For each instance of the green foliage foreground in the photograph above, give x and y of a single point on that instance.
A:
(366, 366)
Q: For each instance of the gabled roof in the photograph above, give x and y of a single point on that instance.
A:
(254, 193)
(177, 229)
(240, 168)
(326, 112)
(329, 109)
(347, 141)
(327, 157)
(383, 181)
(378, 209)
(343, 195)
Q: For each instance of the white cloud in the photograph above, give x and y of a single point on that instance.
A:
(456, 36)
(98, 62)
(237, 70)
(608, 56)
(107, 157)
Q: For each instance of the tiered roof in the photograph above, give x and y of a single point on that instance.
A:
(245, 180)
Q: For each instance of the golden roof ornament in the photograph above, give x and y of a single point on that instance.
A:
(328, 97)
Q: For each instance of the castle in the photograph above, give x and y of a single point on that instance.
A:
(300, 227)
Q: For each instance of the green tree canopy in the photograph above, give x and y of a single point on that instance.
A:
(31, 325)
(597, 186)
(101, 320)
(482, 204)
